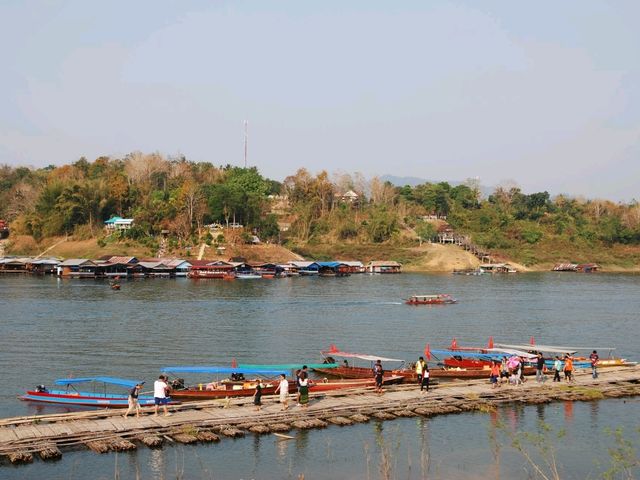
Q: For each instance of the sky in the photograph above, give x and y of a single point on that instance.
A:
(545, 94)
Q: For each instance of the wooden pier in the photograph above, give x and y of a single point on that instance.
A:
(47, 436)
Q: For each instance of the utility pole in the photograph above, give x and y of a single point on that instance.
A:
(246, 141)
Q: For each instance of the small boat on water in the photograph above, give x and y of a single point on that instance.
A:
(438, 299)
(71, 396)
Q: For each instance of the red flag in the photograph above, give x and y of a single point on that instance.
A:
(333, 349)
(490, 344)
(532, 341)
(427, 352)
(234, 364)
(454, 344)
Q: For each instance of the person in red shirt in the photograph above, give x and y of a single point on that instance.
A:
(594, 364)
(495, 374)
(568, 368)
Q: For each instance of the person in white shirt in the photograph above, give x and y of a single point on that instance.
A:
(160, 390)
(283, 388)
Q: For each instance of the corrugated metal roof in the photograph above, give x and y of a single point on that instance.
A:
(76, 262)
(122, 259)
(384, 263)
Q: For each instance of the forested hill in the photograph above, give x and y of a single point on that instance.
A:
(306, 211)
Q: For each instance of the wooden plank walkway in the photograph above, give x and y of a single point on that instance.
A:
(105, 430)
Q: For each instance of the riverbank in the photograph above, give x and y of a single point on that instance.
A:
(427, 258)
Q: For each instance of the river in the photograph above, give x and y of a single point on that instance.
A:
(50, 328)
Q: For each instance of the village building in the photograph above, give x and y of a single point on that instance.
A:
(497, 268)
(116, 224)
(354, 266)
(383, 266)
(77, 268)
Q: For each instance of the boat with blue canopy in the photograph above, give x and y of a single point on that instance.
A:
(99, 397)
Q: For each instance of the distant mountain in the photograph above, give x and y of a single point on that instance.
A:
(485, 191)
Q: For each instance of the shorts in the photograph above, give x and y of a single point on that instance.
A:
(494, 379)
(161, 401)
(378, 381)
(133, 402)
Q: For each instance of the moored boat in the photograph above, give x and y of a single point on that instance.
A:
(71, 396)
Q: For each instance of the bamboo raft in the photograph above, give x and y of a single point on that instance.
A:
(46, 436)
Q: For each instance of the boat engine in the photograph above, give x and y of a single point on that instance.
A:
(178, 384)
(41, 388)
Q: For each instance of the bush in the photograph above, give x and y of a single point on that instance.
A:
(531, 235)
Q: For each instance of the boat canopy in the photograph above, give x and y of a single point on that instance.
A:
(487, 354)
(224, 370)
(286, 366)
(542, 348)
(124, 382)
(510, 351)
(334, 352)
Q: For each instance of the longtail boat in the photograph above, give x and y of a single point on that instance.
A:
(238, 386)
(439, 299)
(350, 371)
(71, 396)
(578, 361)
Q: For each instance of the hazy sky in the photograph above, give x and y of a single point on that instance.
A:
(546, 93)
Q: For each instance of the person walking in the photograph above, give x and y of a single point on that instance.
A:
(378, 374)
(568, 368)
(540, 368)
(297, 373)
(504, 370)
(133, 400)
(304, 392)
(557, 368)
(420, 367)
(495, 374)
(257, 396)
(594, 364)
(160, 391)
(283, 389)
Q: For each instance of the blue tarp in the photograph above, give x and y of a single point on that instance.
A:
(223, 370)
(330, 264)
(478, 355)
(110, 380)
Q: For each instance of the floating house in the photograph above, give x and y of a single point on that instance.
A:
(267, 270)
(588, 267)
(333, 269)
(14, 265)
(384, 266)
(498, 268)
(209, 269)
(354, 266)
(43, 266)
(180, 266)
(306, 268)
(77, 268)
(151, 269)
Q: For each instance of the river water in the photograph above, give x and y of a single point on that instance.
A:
(50, 328)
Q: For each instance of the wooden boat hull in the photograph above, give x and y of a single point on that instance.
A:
(410, 375)
(248, 388)
(85, 399)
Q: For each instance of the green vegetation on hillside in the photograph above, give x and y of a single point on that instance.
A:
(314, 214)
